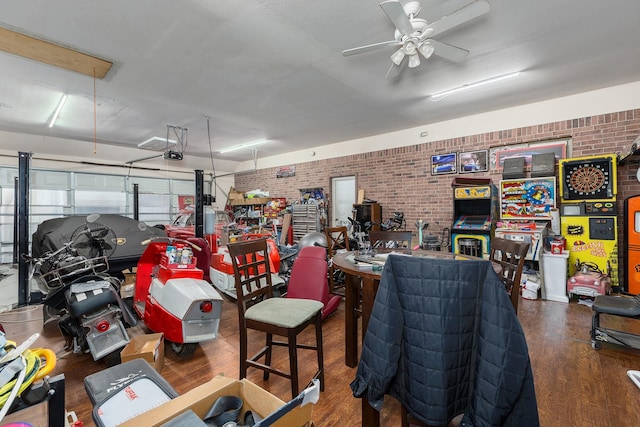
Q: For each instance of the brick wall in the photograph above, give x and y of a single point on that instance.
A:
(400, 179)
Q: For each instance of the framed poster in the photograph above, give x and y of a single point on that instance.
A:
(527, 198)
(498, 155)
(474, 161)
(443, 164)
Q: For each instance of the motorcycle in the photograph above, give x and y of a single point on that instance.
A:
(171, 295)
(81, 295)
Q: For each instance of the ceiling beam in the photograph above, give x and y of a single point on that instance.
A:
(52, 54)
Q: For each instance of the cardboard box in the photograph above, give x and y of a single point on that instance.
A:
(149, 347)
(235, 195)
(130, 276)
(202, 398)
(128, 286)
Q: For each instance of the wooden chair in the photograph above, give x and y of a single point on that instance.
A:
(390, 239)
(258, 309)
(508, 257)
(337, 239)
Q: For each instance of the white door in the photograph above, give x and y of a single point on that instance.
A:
(343, 190)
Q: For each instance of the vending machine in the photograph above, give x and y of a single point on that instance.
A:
(632, 244)
(588, 212)
(475, 213)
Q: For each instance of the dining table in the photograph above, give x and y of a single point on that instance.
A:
(362, 278)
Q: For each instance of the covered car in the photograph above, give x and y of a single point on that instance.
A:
(52, 234)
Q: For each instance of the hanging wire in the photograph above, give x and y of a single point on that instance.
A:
(95, 114)
(213, 183)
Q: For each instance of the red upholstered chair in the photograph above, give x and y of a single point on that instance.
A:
(309, 279)
(203, 255)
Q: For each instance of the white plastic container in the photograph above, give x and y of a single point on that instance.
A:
(554, 268)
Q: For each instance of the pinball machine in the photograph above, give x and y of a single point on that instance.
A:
(588, 212)
(526, 205)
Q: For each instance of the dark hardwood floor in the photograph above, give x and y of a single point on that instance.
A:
(575, 384)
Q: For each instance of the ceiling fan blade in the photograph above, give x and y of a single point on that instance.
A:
(460, 16)
(448, 51)
(370, 47)
(397, 15)
(394, 70)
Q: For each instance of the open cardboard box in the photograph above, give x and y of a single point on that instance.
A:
(202, 398)
(149, 347)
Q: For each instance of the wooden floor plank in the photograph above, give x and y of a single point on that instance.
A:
(575, 384)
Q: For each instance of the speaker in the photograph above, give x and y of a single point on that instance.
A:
(513, 168)
(543, 165)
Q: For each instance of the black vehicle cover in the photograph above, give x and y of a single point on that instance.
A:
(52, 234)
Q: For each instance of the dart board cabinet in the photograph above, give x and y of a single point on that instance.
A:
(588, 213)
(588, 178)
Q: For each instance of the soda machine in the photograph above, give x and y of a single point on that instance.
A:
(632, 244)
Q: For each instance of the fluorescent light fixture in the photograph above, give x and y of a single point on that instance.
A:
(58, 109)
(440, 95)
(241, 146)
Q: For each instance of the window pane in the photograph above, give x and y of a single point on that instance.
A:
(49, 197)
(150, 185)
(49, 179)
(86, 181)
(100, 202)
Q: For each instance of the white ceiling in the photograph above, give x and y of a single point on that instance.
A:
(273, 68)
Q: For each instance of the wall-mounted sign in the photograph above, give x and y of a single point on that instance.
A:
(285, 171)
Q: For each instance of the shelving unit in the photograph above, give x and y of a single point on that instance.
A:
(310, 214)
(258, 208)
(306, 219)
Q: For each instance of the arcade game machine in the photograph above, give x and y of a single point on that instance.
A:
(525, 211)
(588, 212)
(475, 208)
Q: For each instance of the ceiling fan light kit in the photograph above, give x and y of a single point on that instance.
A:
(413, 35)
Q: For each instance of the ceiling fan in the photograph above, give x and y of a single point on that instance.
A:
(414, 35)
